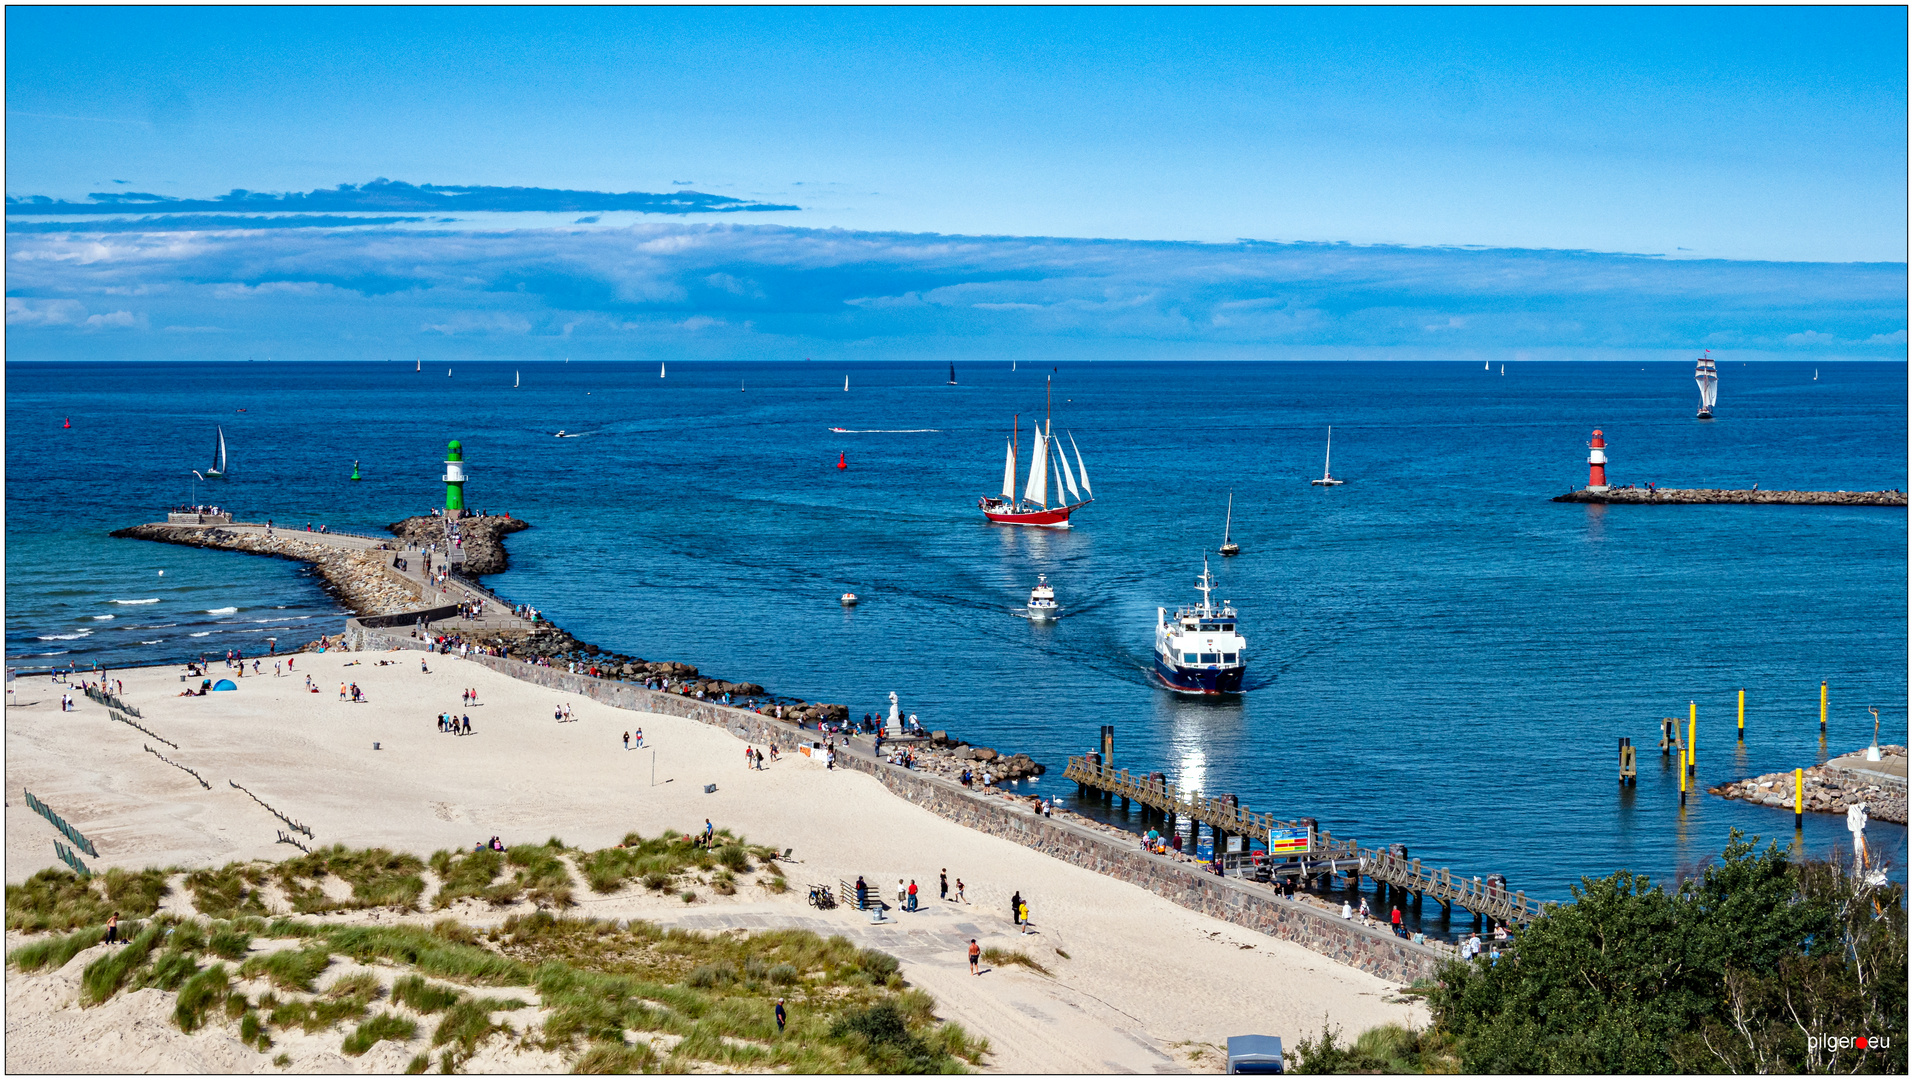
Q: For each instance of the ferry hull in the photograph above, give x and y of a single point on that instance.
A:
(1200, 680)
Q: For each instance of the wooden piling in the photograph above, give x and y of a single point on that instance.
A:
(1627, 762)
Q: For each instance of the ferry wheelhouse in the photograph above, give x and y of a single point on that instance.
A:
(1200, 651)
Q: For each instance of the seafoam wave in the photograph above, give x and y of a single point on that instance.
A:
(155, 641)
(154, 600)
(103, 618)
(221, 610)
(202, 633)
(66, 637)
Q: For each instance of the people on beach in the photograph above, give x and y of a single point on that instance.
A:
(961, 899)
(750, 756)
(1395, 917)
(913, 896)
(627, 740)
(1347, 912)
(1023, 916)
(638, 739)
(780, 1016)
(976, 954)
(902, 894)
(113, 928)
(943, 884)
(1016, 907)
(863, 893)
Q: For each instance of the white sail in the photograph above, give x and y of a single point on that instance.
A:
(1037, 490)
(1228, 519)
(1709, 383)
(846, 384)
(1056, 478)
(514, 380)
(1326, 447)
(1009, 471)
(1069, 478)
(1081, 473)
(660, 369)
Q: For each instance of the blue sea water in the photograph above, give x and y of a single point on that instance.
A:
(1440, 656)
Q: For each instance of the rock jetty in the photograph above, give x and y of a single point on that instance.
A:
(1831, 788)
(358, 577)
(1658, 496)
(484, 538)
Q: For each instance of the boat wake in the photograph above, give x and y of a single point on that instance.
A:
(154, 600)
(66, 637)
(221, 610)
(885, 431)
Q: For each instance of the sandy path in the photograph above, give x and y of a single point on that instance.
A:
(1142, 974)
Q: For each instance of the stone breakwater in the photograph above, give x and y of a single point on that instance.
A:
(1724, 496)
(1305, 921)
(484, 538)
(359, 577)
(1831, 788)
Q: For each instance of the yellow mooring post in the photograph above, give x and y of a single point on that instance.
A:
(1823, 708)
(1796, 799)
(1743, 716)
(1683, 768)
(1692, 714)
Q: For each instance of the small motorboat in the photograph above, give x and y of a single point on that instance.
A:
(1042, 601)
(848, 599)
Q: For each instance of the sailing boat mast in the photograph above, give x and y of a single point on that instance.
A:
(1228, 547)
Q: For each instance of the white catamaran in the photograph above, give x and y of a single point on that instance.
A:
(1709, 383)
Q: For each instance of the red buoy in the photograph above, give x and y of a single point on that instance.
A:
(840, 461)
(69, 422)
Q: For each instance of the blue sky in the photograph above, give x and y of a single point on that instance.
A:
(1761, 144)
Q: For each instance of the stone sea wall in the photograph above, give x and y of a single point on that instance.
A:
(363, 580)
(1718, 495)
(484, 541)
(1374, 950)
(1829, 789)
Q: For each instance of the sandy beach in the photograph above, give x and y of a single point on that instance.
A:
(1139, 985)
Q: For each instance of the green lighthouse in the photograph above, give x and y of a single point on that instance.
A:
(454, 480)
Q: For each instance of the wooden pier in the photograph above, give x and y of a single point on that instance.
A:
(1323, 855)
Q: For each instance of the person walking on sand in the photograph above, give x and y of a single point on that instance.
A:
(976, 954)
(943, 884)
(113, 928)
(903, 895)
(780, 1016)
(1016, 907)
(638, 739)
(913, 895)
(1023, 915)
(960, 897)
(1395, 917)
(627, 740)
(750, 756)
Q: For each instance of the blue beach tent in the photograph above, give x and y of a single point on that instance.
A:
(225, 684)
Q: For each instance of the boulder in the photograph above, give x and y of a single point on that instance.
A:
(982, 753)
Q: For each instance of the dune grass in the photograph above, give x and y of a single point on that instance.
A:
(379, 878)
(62, 900)
(849, 1009)
(229, 892)
(1007, 957)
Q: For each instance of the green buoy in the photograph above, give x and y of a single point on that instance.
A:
(355, 471)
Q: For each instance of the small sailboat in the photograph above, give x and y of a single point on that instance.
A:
(1042, 602)
(1816, 378)
(1504, 369)
(1709, 382)
(448, 373)
(1484, 365)
(660, 369)
(846, 384)
(740, 386)
(418, 365)
(514, 380)
(1327, 480)
(218, 470)
(1229, 546)
(952, 381)
(355, 470)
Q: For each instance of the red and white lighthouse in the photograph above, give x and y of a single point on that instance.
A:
(1597, 463)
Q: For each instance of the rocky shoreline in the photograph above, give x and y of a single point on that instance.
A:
(484, 538)
(1827, 789)
(1633, 495)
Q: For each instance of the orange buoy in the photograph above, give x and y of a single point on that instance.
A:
(840, 461)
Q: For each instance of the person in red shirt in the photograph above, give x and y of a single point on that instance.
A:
(1395, 917)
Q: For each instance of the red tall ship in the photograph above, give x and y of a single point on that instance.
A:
(1048, 463)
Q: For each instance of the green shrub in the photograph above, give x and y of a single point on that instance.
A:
(229, 943)
(289, 969)
(783, 974)
(466, 1024)
(418, 1064)
(381, 1027)
(1006, 957)
(249, 1028)
(55, 952)
(709, 975)
(688, 896)
(880, 965)
(463, 874)
(201, 993)
(656, 881)
(603, 1060)
(734, 858)
(420, 996)
(227, 893)
(172, 968)
(62, 900)
(104, 976)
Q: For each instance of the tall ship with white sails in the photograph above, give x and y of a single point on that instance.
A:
(1048, 463)
(1709, 383)
(1200, 651)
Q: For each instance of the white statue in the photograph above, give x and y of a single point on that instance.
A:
(893, 728)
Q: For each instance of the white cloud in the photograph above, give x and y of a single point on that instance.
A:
(23, 311)
(116, 320)
(1809, 337)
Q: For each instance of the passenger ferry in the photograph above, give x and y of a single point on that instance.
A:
(1199, 651)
